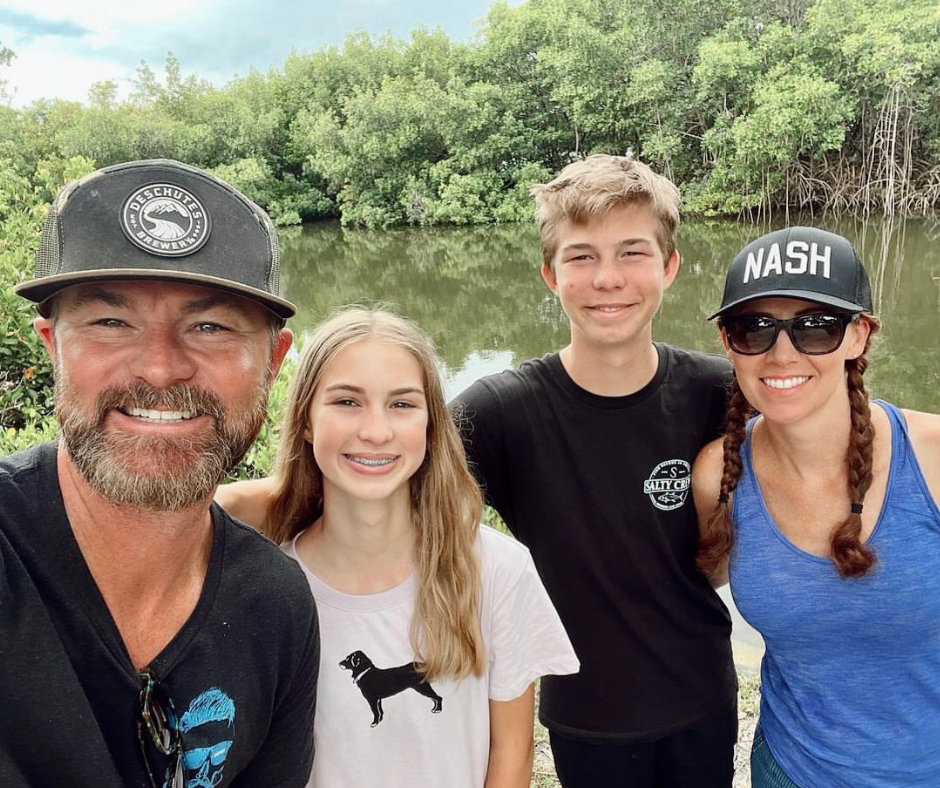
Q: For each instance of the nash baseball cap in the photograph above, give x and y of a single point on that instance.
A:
(158, 219)
(798, 262)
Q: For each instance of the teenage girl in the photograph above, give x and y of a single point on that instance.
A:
(433, 627)
(826, 506)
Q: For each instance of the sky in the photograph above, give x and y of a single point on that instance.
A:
(62, 47)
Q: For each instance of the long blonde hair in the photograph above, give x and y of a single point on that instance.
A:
(446, 501)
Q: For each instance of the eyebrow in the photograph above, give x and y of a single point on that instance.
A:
(94, 295)
(812, 309)
(102, 295)
(583, 245)
(214, 300)
(361, 390)
(639, 241)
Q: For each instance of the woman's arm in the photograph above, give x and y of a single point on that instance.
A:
(247, 500)
(706, 484)
(511, 744)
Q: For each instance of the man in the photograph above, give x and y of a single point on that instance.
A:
(146, 638)
(586, 455)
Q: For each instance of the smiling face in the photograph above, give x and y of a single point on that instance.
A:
(785, 384)
(610, 274)
(160, 387)
(369, 422)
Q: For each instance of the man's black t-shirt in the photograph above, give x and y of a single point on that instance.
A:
(241, 673)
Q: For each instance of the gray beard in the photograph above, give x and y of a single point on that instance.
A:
(160, 474)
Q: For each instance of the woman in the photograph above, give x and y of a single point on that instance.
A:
(822, 509)
(433, 628)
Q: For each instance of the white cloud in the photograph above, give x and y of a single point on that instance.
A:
(63, 46)
(43, 70)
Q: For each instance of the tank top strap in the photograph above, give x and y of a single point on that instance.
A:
(900, 442)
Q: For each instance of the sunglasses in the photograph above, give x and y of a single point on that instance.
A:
(157, 725)
(814, 335)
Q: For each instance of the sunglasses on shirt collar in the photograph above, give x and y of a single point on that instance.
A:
(158, 729)
(814, 334)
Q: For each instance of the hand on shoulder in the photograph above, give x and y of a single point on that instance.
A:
(247, 500)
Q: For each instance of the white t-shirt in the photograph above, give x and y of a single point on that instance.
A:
(374, 728)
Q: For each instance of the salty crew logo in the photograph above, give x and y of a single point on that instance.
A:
(165, 220)
(668, 484)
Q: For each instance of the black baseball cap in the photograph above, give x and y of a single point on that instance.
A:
(158, 219)
(798, 262)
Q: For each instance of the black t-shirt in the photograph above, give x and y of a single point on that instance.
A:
(241, 673)
(599, 489)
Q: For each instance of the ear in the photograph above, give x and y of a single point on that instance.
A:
(282, 344)
(43, 327)
(857, 334)
(548, 276)
(724, 341)
(672, 269)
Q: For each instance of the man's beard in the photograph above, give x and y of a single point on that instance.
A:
(154, 472)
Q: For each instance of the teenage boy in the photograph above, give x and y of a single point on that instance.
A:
(586, 454)
(146, 637)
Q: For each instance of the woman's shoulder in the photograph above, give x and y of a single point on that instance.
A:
(923, 429)
(707, 468)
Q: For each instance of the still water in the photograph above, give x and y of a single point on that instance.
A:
(478, 293)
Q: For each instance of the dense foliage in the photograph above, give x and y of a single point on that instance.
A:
(750, 106)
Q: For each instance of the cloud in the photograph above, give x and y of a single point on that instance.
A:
(64, 46)
(32, 26)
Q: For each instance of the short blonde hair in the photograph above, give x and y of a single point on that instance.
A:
(590, 188)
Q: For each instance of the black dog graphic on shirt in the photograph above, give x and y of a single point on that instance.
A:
(375, 684)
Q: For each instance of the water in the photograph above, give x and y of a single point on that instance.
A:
(478, 293)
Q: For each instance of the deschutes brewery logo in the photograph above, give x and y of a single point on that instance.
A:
(165, 220)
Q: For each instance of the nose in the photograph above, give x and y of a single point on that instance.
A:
(375, 426)
(784, 349)
(162, 359)
(608, 274)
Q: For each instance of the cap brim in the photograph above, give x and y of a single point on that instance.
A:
(803, 295)
(39, 290)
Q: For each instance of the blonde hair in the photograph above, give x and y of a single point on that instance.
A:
(851, 556)
(592, 187)
(445, 499)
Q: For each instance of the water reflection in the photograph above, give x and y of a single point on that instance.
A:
(478, 293)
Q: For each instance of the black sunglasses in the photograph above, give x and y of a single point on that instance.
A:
(814, 335)
(158, 719)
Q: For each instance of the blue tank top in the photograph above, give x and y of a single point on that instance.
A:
(850, 680)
